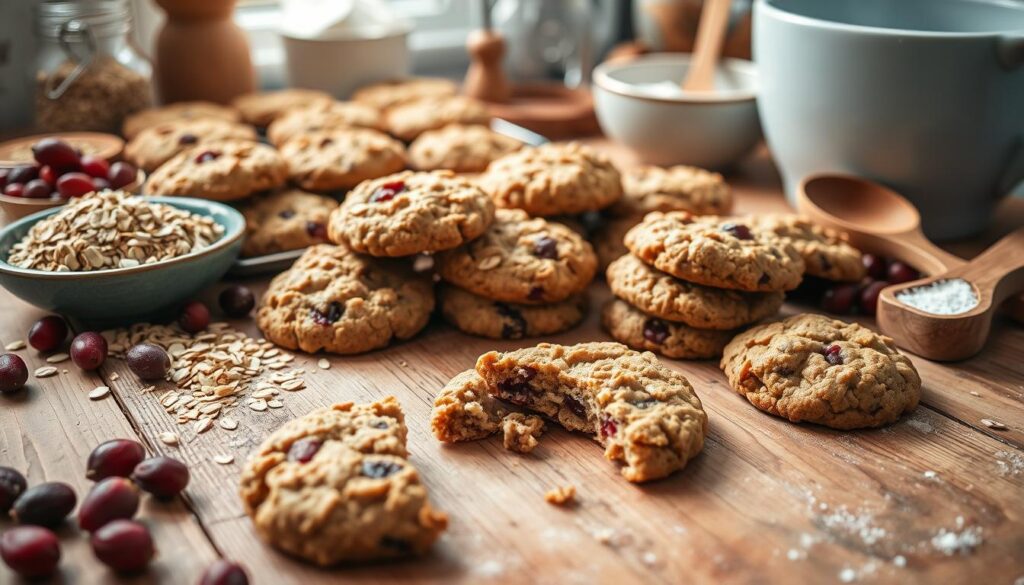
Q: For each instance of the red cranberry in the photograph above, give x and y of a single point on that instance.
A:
(88, 350)
(121, 174)
(12, 485)
(14, 190)
(100, 184)
(22, 174)
(875, 265)
(316, 229)
(13, 373)
(30, 551)
(148, 361)
(304, 449)
(334, 312)
(194, 317)
(237, 301)
(655, 331)
(95, 166)
(48, 333)
(387, 191)
(833, 354)
(840, 299)
(114, 458)
(206, 156)
(74, 185)
(738, 231)
(111, 499)
(546, 247)
(123, 545)
(163, 477)
(900, 272)
(187, 138)
(608, 427)
(48, 174)
(55, 152)
(46, 504)
(37, 189)
(224, 572)
(869, 297)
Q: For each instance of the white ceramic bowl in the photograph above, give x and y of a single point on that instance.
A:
(711, 130)
(341, 64)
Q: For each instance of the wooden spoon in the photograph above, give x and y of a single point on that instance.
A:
(714, 20)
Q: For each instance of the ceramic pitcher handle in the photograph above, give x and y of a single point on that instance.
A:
(1010, 50)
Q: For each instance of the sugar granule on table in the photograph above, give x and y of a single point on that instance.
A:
(944, 297)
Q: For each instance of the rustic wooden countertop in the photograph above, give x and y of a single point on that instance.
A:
(935, 498)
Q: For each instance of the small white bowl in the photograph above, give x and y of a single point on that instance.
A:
(668, 127)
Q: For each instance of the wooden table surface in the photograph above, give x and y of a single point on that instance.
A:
(936, 498)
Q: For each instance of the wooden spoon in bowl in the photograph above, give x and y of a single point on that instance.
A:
(714, 21)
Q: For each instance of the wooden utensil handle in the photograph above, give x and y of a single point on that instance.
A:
(999, 270)
(714, 19)
(910, 247)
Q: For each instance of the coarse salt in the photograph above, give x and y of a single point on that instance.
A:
(944, 297)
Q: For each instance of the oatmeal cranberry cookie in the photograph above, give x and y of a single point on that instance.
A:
(409, 120)
(262, 108)
(465, 410)
(158, 144)
(810, 368)
(392, 93)
(521, 260)
(644, 414)
(825, 252)
(177, 112)
(521, 431)
(285, 220)
(323, 117)
(409, 213)
(460, 148)
(714, 251)
(335, 300)
(341, 159)
(335, 486)
(703, 307)
(223, 171)
(607, 240)
(631, 326)
(679, 188)
(553, 179)
(477, 315)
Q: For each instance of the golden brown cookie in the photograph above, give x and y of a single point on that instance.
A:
(460, 148)
(825, 252)
(477, 315)
(262, 108)
(638, 330)
(341, 159)
(680, 188)
(158, 144)
(323, 117)
(285, 220)
(223, 171)
(465, 410)
(409, 120)
(175, 112)
(392, 93)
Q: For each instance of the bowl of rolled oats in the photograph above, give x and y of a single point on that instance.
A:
(113, 256)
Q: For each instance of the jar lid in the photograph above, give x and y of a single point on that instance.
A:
(102, 17)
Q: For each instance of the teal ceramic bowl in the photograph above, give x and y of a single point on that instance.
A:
(125, 294)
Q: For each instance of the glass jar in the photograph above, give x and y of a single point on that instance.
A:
(89, 74)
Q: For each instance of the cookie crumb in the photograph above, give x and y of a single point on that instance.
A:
(562, 495)
(522, 431)
(930, 474)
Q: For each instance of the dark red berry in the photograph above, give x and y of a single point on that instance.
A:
(334, 312)
(237, 301)
(111, 499)
(95, 167)
(74, 185)
(206, 156)
(37, 189)
(48, 333)
(13, 373)
(55, 152)
(45, 504)
(380, 469)
(869, 297)
(224, 572)
(840, 299)
(576, 407)
(88, 350)
(304, 449)
(121, 174)
(876, 266)
(608, 427)
(316, 229)
(163, 477)
(387, 191)
(187, 138)
(738, 231)
(48, 174)
(535, 293)
(518, 388)
(14, 190)
(22, 174)
(546, 248)
(30, 551)
(833, 353)
(114, 458)
(194, 317)
(900, 272)
(655, 331)
(12, 485)
(148, 361)
(123, 545)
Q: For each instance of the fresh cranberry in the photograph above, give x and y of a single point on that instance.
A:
(380, 469)
(121, 175)
(608, 427)
(546, 248)
(738, 231)
(14, 190)
(123, 545)
(900, 272)
(22, 174)
(13, 373)
(163, 477)
(148, 361)
(30, 551)
(100, 184)
(195, 317)
(224, 572)
(206, 156)
(876, 266)
(187, 138)
(88, 350)
(12, 485)
(334, 312)
(655, 330)
(48, 333)
(37, 189)
(111, 499)
(236, 301)
(49, 174)
(303, 450)
(114, 458)
(95, 166)
(74, 185)
(45, 504)
(833, 354)
(869, 297)
(387, 191)
(55, 152)
(840, 298)
(316, 229)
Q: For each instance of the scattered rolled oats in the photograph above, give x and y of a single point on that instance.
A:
(57, 358)
(15, 345)
(203, 425)
(228, 424)
(994, 424)
(258, 405)
(99, 392)
(224, 459)
(275, 403)
(45, 371)
(323, 364)
(168, 438)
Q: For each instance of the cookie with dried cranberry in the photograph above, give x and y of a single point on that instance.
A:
(158, 144)
(177, 112)
(387, 94)
(461, 148)
(826, 252)
(336, 485)
(607, 240)
(464, 410)
(554, 179)
(337, 301)
(646, 415)
(285, 220)
(811, 368)
(649, 188)
(477, 315)
(262, 108)
(323, 117)
(409, 213)
(520, 259)
(409, 120)
(631, 326)
(716, 251)
(223, 171)
(341, 159)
